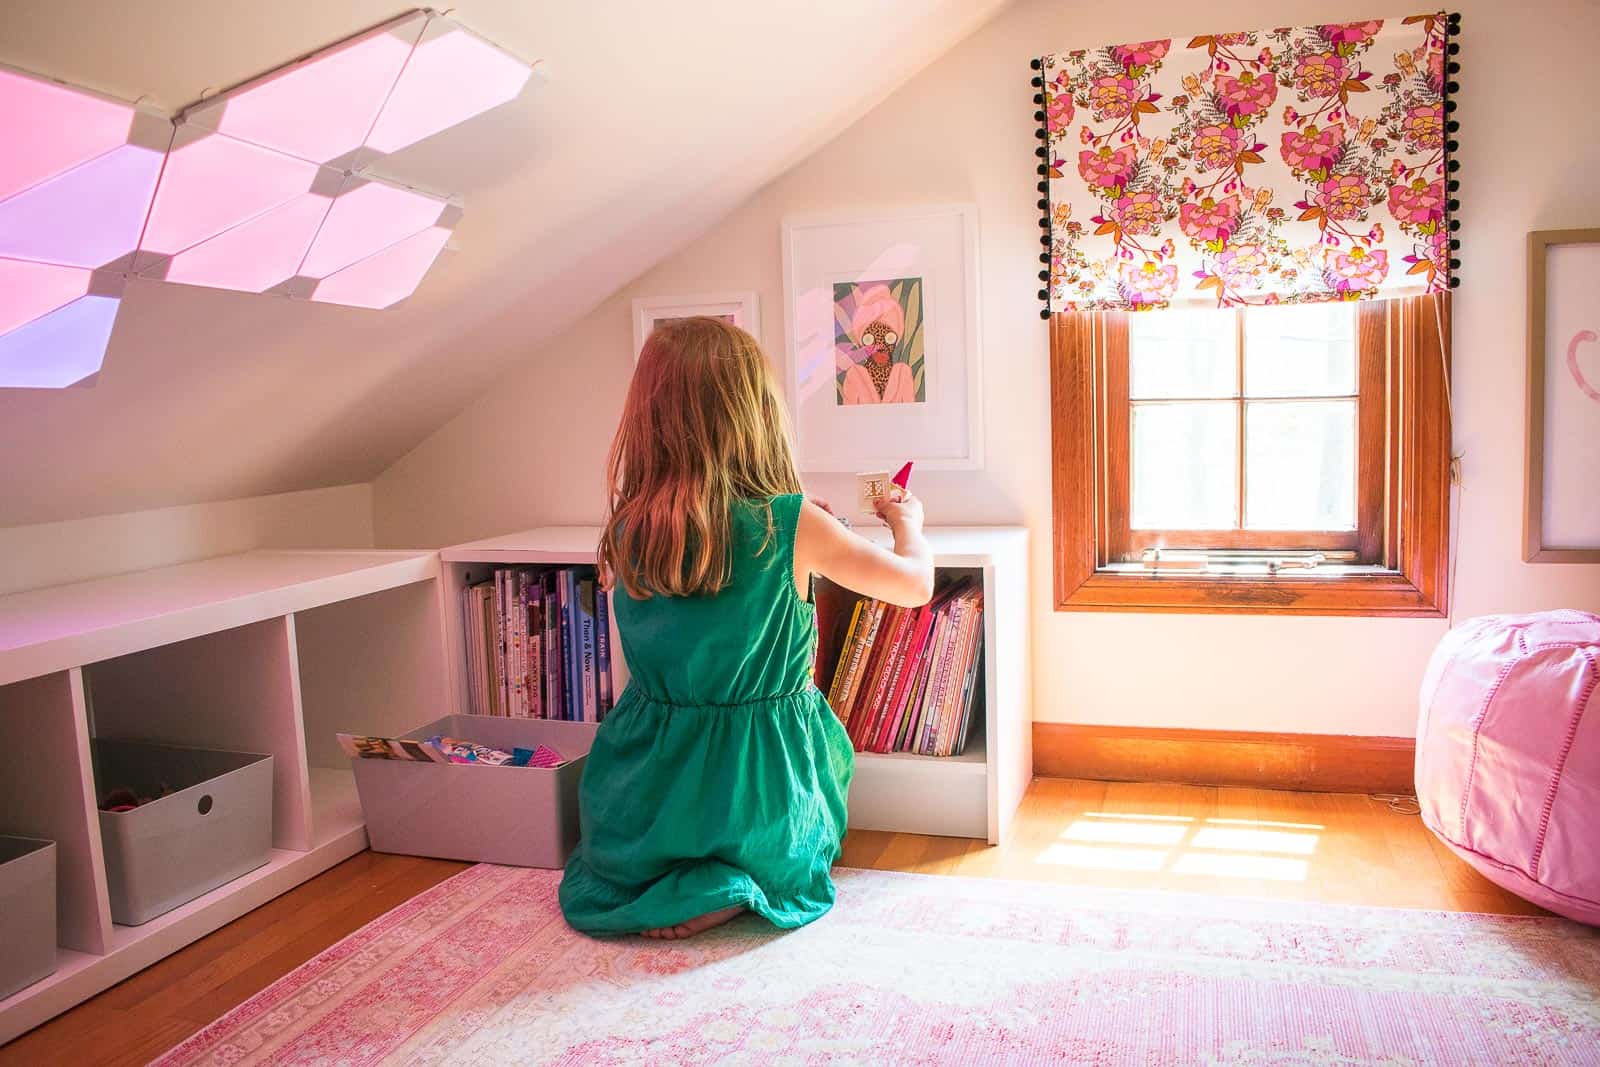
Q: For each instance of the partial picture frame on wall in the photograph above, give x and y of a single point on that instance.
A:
(1561, 517)
(881, 316)
(741, 308)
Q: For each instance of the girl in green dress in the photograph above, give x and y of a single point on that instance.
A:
(717, 784)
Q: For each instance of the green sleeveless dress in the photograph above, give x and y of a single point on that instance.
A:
(719, 778)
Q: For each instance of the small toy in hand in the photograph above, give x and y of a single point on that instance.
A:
(877, 485)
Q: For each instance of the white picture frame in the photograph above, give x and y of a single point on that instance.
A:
(844, 422)
(741, 308)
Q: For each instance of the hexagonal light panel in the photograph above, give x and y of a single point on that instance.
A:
(77, 175)
(387, 277)
(263, 188)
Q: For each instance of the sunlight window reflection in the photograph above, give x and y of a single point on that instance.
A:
(1216, 864)
(1093, 857)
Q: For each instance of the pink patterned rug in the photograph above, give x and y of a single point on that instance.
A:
(930, 970)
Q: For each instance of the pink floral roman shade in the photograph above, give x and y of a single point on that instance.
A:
(1248, 168)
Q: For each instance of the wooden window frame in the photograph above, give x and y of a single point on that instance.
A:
(1406, 543)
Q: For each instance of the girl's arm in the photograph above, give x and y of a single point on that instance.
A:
(823, 545)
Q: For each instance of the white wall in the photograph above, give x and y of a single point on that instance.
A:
(529, 451)
(53, 553)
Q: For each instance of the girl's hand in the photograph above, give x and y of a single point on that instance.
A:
(900, 510)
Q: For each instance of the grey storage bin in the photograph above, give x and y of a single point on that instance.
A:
(519, 816)
(216, 826)
(27, 912)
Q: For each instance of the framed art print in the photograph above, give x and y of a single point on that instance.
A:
(1561, 521)
(882, 316)
(740, 308)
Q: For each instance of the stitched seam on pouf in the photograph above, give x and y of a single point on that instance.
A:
(1561, 762)
(1477, 728)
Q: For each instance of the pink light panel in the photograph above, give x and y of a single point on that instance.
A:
(217, 182)
(256, 255)
(28, 290)
(384, 279)
(47, 128)
(324, 106)
(366, 220)
(240, 199)
(87, 217)
(451, 77)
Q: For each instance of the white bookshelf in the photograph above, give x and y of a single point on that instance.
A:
(262, 651)
(971, 795)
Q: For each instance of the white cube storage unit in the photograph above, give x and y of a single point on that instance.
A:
(262, 652)
(974, 794)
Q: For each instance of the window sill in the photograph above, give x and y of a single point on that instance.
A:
(1325, 590)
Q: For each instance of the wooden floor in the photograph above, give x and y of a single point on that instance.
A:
(1331, 847)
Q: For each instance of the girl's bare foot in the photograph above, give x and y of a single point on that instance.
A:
(693, 926)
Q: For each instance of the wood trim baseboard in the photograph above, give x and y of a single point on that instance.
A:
(1319, 763)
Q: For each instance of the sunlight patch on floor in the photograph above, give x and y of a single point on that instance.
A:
(1180, 844)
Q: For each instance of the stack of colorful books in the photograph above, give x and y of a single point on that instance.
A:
(905, 678)
(539, 644)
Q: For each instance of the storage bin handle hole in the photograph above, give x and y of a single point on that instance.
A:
(205, 804)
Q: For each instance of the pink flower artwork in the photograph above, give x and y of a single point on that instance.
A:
(1106, 168)
(1424, 126)
(1319, 74)
(1149, 284)
(1313, 149)
(1351, 32)
(1246, 95)
(1140, 213)
(1113, 96)
(1142, 54)
(1355, 269)
(1058, 110)
(1242, 265)
(1417, 204)
(1215, 147)
(1211, 221)
(1344, 197)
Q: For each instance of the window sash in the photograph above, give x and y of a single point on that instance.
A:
(1122, 543)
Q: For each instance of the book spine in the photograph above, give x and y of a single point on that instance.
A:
(900, 671)
(941, 634)
(959, 687)
(467, 602)
(969, 696)
(498, 621)
(841, 669)
(485, 679)
(535, 621)
(587, 613)
(882, 679)
(515, 618)
(564, 604)
(902, 742)
(602, 634)
(916, 656)
(552, 648)
(941, 681)
(858, 662)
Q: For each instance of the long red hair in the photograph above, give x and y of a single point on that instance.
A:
(703, 428)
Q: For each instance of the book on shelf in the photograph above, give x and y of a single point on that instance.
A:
(906, 679)
(537, 644)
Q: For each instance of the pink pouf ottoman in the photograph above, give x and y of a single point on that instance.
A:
(1508, 754)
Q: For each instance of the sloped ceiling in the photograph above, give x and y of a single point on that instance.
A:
(647, 122)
